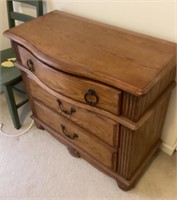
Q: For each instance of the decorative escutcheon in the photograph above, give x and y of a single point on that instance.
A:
(72, 110)
(30, 65)
(71, 136)
(91, 92)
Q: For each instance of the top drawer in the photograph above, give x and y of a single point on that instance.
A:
(80, 89)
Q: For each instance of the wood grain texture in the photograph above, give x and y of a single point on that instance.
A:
(97, 149)
(136, 145)
(120, 119)
(120, 58)
(132, 74)
(73, 87)
(85, 155)
(125, 184)
(134, 107)
(102, 127)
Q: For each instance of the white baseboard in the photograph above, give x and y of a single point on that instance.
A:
(168, 149)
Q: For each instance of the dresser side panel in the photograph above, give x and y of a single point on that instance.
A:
(135, 146)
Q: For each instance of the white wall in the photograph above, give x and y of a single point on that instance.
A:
(3, 25)
(153, 17)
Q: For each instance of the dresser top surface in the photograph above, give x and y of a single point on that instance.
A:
(123, 59)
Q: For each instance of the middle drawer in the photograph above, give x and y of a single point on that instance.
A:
(105, 129)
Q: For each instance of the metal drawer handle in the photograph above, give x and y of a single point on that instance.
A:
(30, 65)
(93, 93)
(71, 136)
(72, 110)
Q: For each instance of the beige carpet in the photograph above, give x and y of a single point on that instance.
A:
(36, 166)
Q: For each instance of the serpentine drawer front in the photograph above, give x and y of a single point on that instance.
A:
(79, 137)
(98, 125)
(101, 90)
(73, 87)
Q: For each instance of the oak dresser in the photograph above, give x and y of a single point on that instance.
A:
(101, 90)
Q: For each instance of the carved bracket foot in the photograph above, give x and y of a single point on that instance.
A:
(124, 187)
(39, 126)
(73, 152)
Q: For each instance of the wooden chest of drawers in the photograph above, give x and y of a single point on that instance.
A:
(101, 90)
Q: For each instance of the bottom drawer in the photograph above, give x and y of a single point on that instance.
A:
(87, 142)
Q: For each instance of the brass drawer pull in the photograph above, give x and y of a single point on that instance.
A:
(30, 65)
(73, 110)
(71, 136)
(93, 93)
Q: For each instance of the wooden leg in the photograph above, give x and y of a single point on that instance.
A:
(39, 126)
(124, 187)
(73, 152)
(8, 91)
